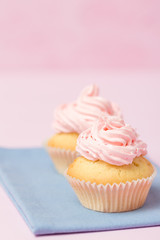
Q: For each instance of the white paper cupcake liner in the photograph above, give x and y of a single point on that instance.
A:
(61, 158)
(112, 198)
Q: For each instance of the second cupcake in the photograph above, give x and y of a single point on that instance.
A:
(73, 118)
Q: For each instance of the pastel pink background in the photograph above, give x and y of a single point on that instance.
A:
(49, 50)
(81, 34)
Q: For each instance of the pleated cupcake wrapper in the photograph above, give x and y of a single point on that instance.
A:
(61, 158)
(112, 198)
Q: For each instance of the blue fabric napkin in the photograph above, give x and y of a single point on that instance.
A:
(48, 204)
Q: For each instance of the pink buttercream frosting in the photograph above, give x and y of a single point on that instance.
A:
(110, 140)
(79, 115)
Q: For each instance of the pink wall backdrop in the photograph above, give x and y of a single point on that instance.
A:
(81, 34)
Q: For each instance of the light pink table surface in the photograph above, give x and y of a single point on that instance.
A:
(27, 101)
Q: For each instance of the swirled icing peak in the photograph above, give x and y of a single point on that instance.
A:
(79, 115)
(111, 140)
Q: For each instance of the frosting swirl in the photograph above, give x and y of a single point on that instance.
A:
(79, 115)
(110, 140)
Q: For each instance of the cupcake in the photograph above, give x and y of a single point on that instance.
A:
(112, 174)
(73, 118)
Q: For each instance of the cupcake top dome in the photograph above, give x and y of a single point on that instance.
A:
(110, 140)
(80, 114)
